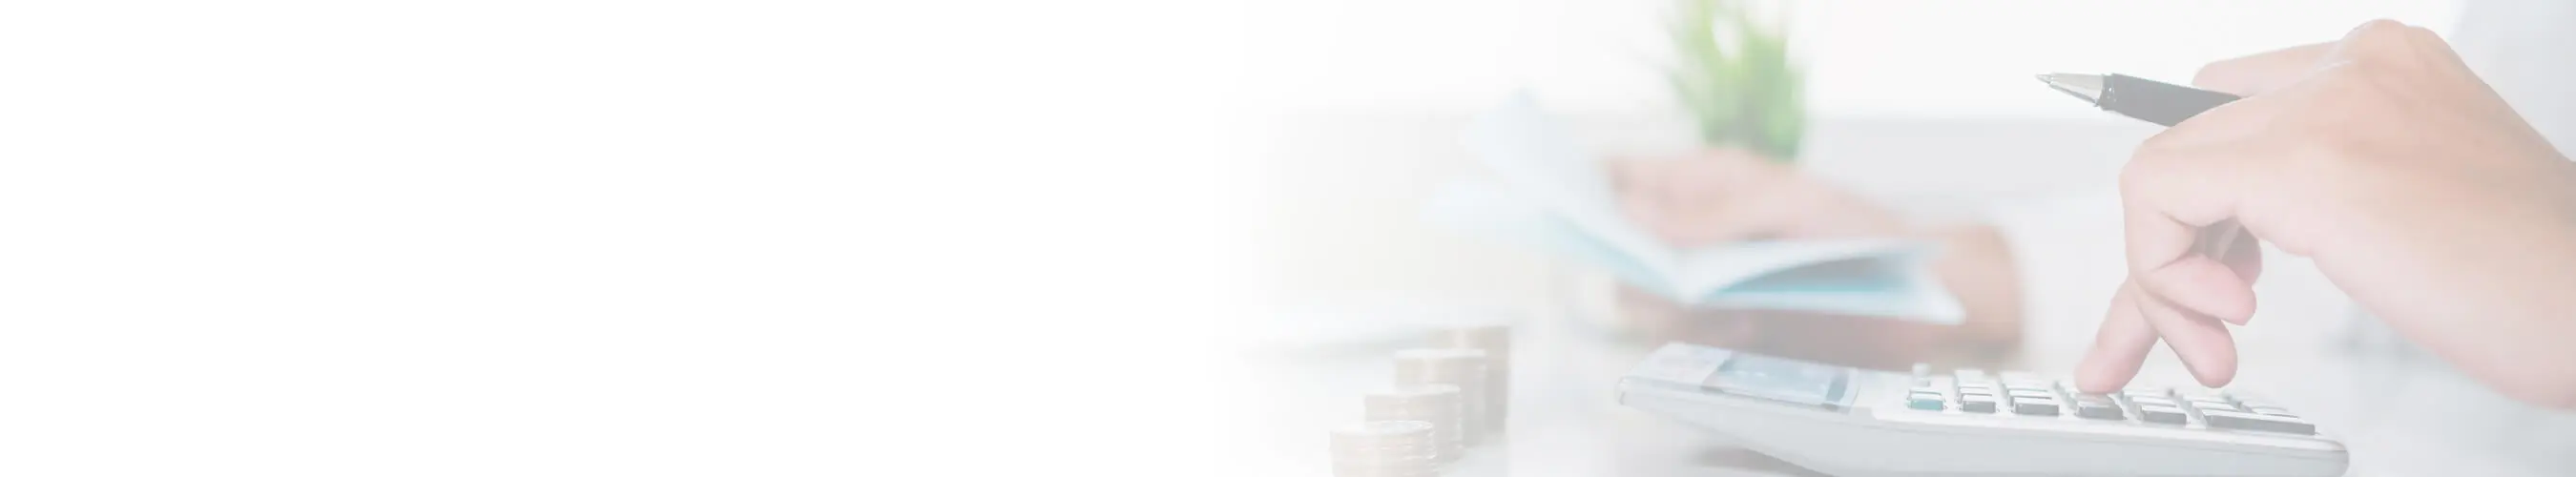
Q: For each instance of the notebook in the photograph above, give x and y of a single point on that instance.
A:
(1549, 192)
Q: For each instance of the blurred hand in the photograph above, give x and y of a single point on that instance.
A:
(2412, 185)
(1729, 195)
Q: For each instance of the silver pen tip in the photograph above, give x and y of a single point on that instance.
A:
(2082, 86)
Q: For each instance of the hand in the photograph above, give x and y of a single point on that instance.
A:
(1727, 195)
(1730, 195)
(2411, 184)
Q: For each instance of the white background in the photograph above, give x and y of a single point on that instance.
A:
(605, 238)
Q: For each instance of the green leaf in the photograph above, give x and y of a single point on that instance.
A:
(1751, 97)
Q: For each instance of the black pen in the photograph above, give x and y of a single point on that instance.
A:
(2136, 97)
(2154, 102)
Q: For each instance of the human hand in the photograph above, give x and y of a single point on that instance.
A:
(2412, 185)
(1724, 196)
(1731, 195)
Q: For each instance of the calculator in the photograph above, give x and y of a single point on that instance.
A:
(1863, 422)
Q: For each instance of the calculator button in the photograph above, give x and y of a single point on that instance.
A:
(2032, 394)
(2035, 407)
(1977, 403)
(2271, 411)
(2093, 399)
(2135, 392)
(2097, 411)
(2161, 414)
(2157, 400)
(2209, 408)
(1924, 401)
(2257, 422)
(2210, 402)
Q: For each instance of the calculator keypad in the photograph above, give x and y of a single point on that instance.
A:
(2013, 393)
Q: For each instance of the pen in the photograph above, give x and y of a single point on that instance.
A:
(2155, 102)
(2136, 97)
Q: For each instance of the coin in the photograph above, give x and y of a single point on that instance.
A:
(1496, 342)
(1371, 431)
(1384, 448)
(1464, 368)
(1439, 404)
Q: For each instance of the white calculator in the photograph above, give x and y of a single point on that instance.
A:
(1861, 422)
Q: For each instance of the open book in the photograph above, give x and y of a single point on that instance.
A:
(1550, 192)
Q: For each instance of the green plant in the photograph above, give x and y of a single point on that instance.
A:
(1734, 75)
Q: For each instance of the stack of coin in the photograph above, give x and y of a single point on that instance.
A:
(1384, 449)
(1437, 404)
(1464, 368)
(1496, 342)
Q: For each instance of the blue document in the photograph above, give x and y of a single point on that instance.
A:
(1551, 193)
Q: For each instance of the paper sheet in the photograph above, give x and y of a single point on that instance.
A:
(1551, 194)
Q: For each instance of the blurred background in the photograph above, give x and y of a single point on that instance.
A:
(1928, 108)
(1359, 106)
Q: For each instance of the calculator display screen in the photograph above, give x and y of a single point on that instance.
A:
(1780, 379)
